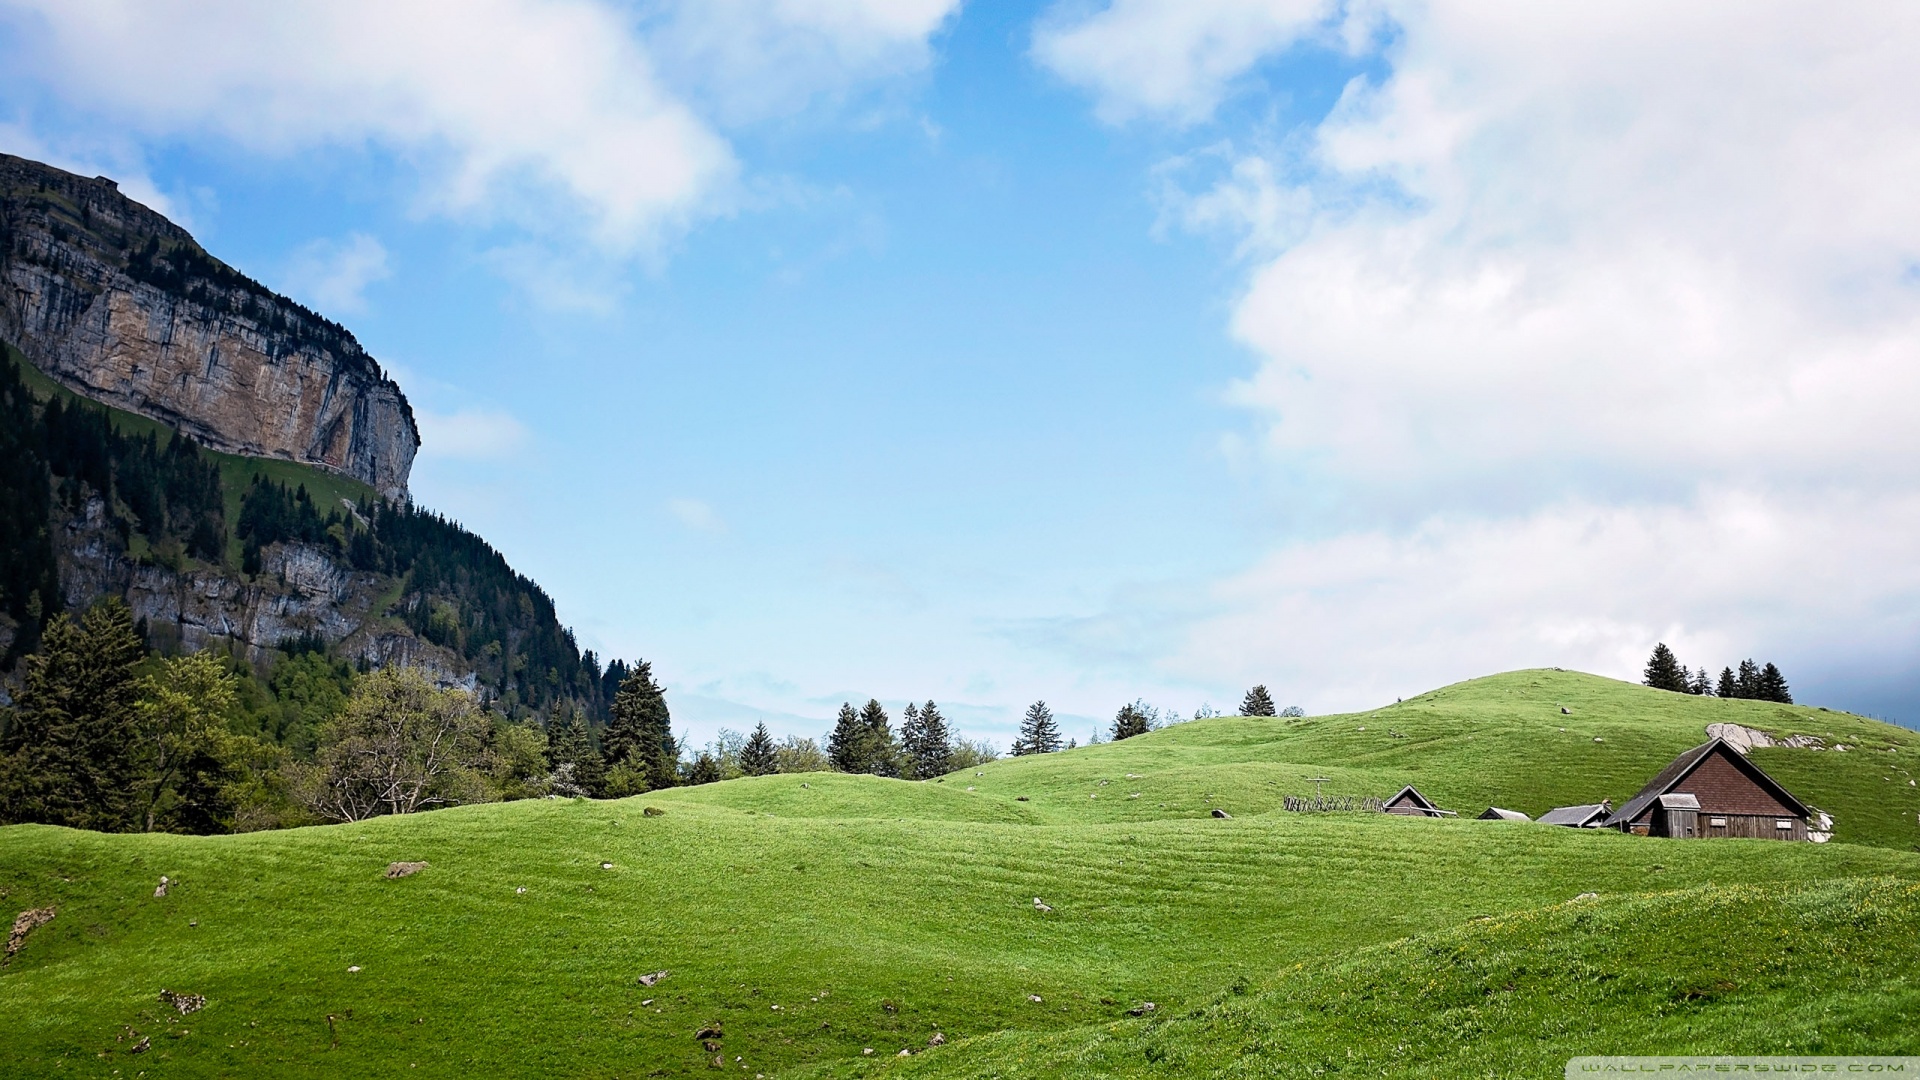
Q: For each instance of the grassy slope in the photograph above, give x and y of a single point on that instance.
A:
(903, 908)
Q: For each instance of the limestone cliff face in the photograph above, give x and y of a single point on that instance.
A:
(122, 306)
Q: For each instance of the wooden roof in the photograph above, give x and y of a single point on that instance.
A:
(1578, 817)
(1495, 813)
(1682, 767)
(1410, 796)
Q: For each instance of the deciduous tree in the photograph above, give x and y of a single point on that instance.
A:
(400, 746)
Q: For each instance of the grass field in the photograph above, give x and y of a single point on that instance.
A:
(814, 917)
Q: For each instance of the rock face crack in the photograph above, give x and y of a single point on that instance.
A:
(122, 306)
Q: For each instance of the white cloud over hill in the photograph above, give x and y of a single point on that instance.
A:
(1603, 321)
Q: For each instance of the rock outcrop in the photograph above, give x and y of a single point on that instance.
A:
(122, 306)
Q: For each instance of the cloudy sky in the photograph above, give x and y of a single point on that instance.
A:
(826, 349)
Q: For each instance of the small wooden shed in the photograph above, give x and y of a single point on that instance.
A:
(1495, 813)
(1713, 790)
(1410, 803)
(1584, 816)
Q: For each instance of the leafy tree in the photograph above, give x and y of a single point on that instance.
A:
(639, 742)
(797, 755)
(1664, 671)
(191, 760)
(1729, 686)
(882, 752)
(1770, 685)
(927, 742)
(1257, 703)
(1293, 712)
(75, 751)
(517, 759)
(757, 756)
(972, 753)
(400, 746)
(1131, 720)
(578, 768)
(847, 744)
(308, 690)
(1038, 732)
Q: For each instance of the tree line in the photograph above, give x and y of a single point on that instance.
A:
(1755, 682)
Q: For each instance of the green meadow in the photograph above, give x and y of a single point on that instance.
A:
(810, 919)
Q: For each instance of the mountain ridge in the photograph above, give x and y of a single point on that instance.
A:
(121, 305)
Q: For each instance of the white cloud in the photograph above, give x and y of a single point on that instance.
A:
(529, 111)
(469, 434)
(754, 59)
(1175, 59)
(696, 515)
(332, 275)
(1538, 304)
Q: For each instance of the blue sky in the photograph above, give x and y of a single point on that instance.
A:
(823, 349)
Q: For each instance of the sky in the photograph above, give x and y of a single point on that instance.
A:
(818, 350)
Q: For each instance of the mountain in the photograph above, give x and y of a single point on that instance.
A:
(120, 305)
(231, 464)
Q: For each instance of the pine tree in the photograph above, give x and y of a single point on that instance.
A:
(847, 745)
(640, 735)
(77, 755)
(1748, 680)
(1038, 732)
(704, 770)
(757, 756)
(882, 753)
(1664, 672)
(1729, 687)
(578, 768)
(1772, 686)
(1257, 703)
(927, 743)
(1132, 720)
(1701, 685)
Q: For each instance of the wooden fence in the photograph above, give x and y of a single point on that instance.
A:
(1334, 804)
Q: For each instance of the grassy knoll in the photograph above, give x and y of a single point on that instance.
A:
(1824, 969)
(1500, 740)
(875, 912)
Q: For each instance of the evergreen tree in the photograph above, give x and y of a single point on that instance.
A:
(1132, 720)
(1772, 686)
(1257, 703)
(704, 770)
(1038, 732)
(76, 755)
(578, 768)
(639, 737)
(847, 745)
(927, 742)
(757, 757)
(1729, 687)
(882, 752)
(1664, 671)
(1701, 684)
(1747, 682)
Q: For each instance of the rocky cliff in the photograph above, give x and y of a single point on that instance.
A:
(122, 306)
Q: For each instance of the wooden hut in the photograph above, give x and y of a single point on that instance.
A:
(1495, 813)
(1713, 790)
(1410, 803)
(1584, 816)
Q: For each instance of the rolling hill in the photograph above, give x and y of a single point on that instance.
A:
(813, 918)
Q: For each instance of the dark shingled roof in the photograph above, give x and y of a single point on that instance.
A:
(1410, 796)
(1578, 817)
(1684, 764)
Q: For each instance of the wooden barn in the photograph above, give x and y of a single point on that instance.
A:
(1410, 803)
(1713, 790)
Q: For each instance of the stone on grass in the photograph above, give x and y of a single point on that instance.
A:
(652, 811)
(711, 1031)
(937, 1040)
(653, 977)
(1219, 813)
(1142, 1009)
(23, 924)
(184, 1003)
(404, 869)
(160, 890)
